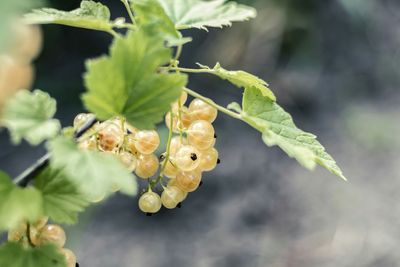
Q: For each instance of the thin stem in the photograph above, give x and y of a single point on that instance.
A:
(178, 53)
(129, 9)
(188, 70)
(167, 155)
(213, 104)
(113, 33)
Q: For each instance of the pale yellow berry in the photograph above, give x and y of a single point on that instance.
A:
(150, 202)
(128, 160)
(208, 159)
(52, 234)
(27, 41)
(147, 166)
(146, 142)
(88, 143)
(110, 137)
(201, 134)
(200, 110)
(129, 144)
(170, 170)
(16, 234)
(176, 143)
(14, 75)
(172, 196)
(188, 181)
(187, 158)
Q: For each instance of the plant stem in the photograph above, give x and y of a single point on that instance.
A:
(129, 9)
(213, 104)
(113, 33)
(191, 70)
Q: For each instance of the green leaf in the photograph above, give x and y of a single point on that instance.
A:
(62, 200)
(241, 79)
(127, 83)
(278, 128)
(29, 115)
(150, 13)
(90, 15)
(17, 255)
(202, 14)
(95, 174)
(18, 204)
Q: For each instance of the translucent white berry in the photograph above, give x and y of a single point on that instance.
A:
(52, 234)
(27, 41)
(150, 202)
(128, 160)
(201, 134)
(176, 143)
(187, 158)
(200, 110)
(147, 166)
(188, 181)
(146, 142)
(110, 136)
(172, 196)
(208, 159)
(170, 170)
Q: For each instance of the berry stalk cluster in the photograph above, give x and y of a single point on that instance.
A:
(178, 170)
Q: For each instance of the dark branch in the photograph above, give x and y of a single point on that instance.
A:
(25, 177)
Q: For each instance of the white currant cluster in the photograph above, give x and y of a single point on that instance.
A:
(190, 151)
(16, 70)
(41, 233)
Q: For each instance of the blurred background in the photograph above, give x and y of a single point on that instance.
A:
(335, 65)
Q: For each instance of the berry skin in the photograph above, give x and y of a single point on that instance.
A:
(14, 75)
(53, 234)
(185, 117)
(80, 120)
(201, 134)
(187, 158)
(27, 43)
(147, 141)
(147, 166)
(188, 181)
(208, 159)
(128, 160)
(150, 202)
(176, 143)
(200, 110)
(88, 144)
(170, 170)
(110, 136)
(183, 98)
(129, 144)
(172, 196)
(69, 256)
(174, 122)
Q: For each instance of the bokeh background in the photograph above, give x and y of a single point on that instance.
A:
(335, 65)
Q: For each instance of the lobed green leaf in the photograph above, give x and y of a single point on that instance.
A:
(90, 15)
(202, 14)
(17, 255)
(18, 204)
(29, 116)
(277, 128)
(61, 199)
(95, 174)
(241, 79)
(127, 82)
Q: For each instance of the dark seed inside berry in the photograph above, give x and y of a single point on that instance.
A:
(193, 156)
(218, 161)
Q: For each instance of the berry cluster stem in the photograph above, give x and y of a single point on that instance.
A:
(129, 9)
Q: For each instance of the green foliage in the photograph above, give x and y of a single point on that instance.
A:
(94, 174)
(62, 200)
(29, 115)
(127, 83)
(150, 12)
(277, 128)
(202, 14)
(90, 15)
(17, 204)
(241, 79)
(17, 255)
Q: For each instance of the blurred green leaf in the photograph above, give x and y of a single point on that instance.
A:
(18, 204)
(29, 115)
(61, 199)
(17, 255)
(95, 174)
